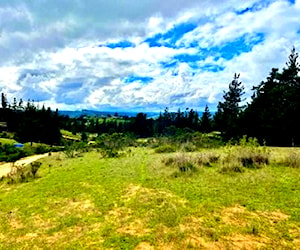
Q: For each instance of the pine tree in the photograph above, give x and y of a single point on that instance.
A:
(272, 116)
(4, 101)
(205, 122)
(227, 116)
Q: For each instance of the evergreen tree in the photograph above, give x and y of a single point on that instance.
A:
(228, 112)
(4, 101)
(205, 122)
(272, 116)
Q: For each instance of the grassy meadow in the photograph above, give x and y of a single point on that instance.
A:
(208, 199)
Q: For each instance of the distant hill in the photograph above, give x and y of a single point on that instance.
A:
(95, 113)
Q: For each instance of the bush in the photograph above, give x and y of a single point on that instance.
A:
(75, 149)
(292, 160)
(35, 166)
(182, 163)
(10, 153)
(248, 153)
(166, 149)
(253, 157)
(111, 144)
(207, 159)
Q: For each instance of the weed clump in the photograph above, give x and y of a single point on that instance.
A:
(292, 160)
(166, 149)
(182, 164)
(253, 158)
(35, 166)
(234, 167)
(207, 159)
(247, 154)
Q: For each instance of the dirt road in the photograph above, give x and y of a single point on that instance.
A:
(6, 167)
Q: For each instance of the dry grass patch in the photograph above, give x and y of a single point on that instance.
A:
(235, 216)
(75, 207)
(118, 215)
(144, 246)
(146, 195)
(247, 242)
(134, 228)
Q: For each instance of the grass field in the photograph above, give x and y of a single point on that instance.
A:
(140, 202)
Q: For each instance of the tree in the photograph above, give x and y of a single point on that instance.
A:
(205, 121)
(4, 101)
(228, 112)
(272, 116)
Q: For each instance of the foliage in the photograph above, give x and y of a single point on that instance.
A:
(272, 116)
(75, 149)
(182, 162)
(30, 123)
(227, 116)
(248, 154)
(166, 149)
(34, 167)
(111, 145)
(206, 121)
(10, 153)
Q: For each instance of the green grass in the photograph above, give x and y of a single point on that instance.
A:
(137, 201)
(70, 135)
(7, 141)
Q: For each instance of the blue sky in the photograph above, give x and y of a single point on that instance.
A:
(141, 55)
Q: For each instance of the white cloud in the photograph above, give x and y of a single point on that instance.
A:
(59, 40)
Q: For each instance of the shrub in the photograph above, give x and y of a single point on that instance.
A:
(110, 145)
(182, 163)
(248, 153)
(207, 159)
(292, 160)
(253, 157)
(10, 153)
(35, 167)
(75, 149)
(166, 149)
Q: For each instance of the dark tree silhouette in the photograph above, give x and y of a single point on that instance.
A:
(205, 121)
(227, 116)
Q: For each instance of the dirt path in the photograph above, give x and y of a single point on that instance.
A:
(6, 167)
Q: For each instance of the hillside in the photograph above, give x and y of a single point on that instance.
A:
(140, 201)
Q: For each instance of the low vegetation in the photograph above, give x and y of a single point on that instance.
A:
(10, 153)
(240, 196)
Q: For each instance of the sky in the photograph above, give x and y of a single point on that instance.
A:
(141, 55)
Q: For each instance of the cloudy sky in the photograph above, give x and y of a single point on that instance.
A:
(140, 55)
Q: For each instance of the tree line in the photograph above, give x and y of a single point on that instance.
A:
(29, 123)
(271, 116)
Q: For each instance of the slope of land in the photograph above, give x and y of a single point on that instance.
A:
(139, 202)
